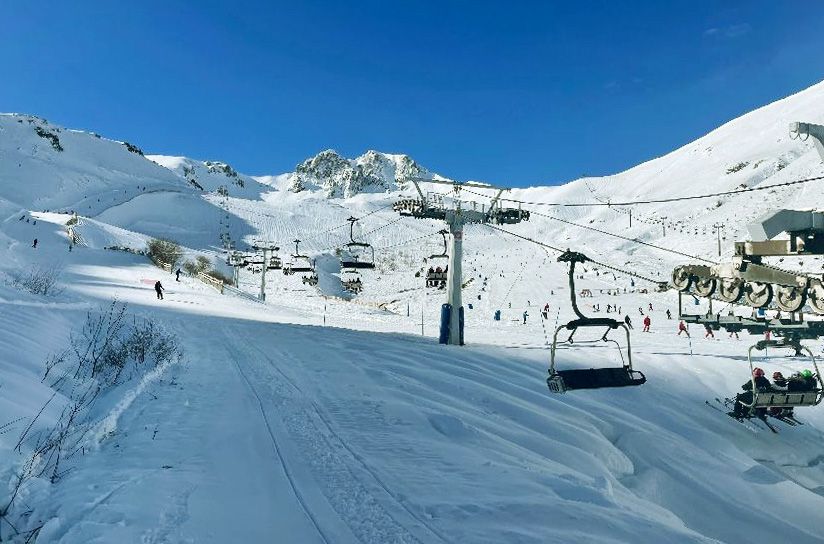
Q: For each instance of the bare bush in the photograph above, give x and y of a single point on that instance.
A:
(219, 276)
(39, 280)
(166, 251)
(201, 264)
(109, 349)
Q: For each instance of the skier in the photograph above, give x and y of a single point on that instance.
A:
(780, 383)
(647, 323)
(34, 245)
(640, 310)
(708, 333)
(809, 379)
(159, 290)
(761, 384)
(669, 314)
(525, 316)
(545, 312)
(177, 275)
(650, 306)
(736, 336)
(628, 321)
(682, 327)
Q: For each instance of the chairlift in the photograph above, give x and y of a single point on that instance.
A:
(794, 396)
(236, 258)
(298, 263)
(256, 258)
(350, 280)
(275, 262)
(359, 255)
(560, 381)
(436, 274)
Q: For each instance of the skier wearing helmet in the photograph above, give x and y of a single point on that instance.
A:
(809, 378)
(801, 381)
(779, 383)
(761, 384)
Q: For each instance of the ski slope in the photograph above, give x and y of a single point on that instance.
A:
(322, 417)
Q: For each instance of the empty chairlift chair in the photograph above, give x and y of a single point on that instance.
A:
(298, 263)
(561, 381)
(357, 255)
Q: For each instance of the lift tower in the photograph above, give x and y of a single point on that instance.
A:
(456, 215)
(267, 248)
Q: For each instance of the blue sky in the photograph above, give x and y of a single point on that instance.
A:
(515, 93)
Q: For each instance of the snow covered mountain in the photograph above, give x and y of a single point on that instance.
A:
(334, 418)
(371, 172)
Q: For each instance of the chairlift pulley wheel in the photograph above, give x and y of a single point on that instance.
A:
(790, 298)
(705, 287)
(815, 296)
(682, 279)
(730, 290)
(758, 294)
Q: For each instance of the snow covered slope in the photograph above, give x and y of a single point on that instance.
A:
(330, 418)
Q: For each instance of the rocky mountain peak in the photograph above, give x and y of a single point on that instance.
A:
(339, 177)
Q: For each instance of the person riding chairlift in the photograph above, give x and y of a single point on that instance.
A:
(761, 384)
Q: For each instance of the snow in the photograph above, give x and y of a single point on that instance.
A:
(323, 417)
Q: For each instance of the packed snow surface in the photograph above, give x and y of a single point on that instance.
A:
(319, 416)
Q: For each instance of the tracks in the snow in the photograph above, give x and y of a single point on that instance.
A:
(357, 493)
(295, 488)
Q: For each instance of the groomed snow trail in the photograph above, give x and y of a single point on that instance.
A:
(308, 434)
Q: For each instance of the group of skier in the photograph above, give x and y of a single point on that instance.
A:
(804, 380)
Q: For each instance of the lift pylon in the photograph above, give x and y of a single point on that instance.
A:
(456, 216)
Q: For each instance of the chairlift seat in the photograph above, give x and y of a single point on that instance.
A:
(785, 399)
(593, 322)
(594, 378)
(560, 381)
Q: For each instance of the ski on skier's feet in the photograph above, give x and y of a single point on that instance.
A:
(782, 419)
(763, 419)
(742, 421)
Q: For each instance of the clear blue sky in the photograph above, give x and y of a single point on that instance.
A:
(516, 93)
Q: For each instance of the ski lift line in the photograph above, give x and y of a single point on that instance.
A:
(521, 273)
(321, 233)
(593, 261)
(655, 201)
(407, 242)
(525, 238)
(634, 240)
(364, 234)
(382, 226)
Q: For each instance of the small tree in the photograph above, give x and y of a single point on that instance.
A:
(167, 251)
(204, 264)
(200, 264)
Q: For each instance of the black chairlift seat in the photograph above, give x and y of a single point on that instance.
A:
(358, 255)
(300, 263)
(594, 378)
(561, 381)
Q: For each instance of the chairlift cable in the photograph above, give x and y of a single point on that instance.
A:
(318, 234)
(634, 240)
(593, 261)
(654, 201)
